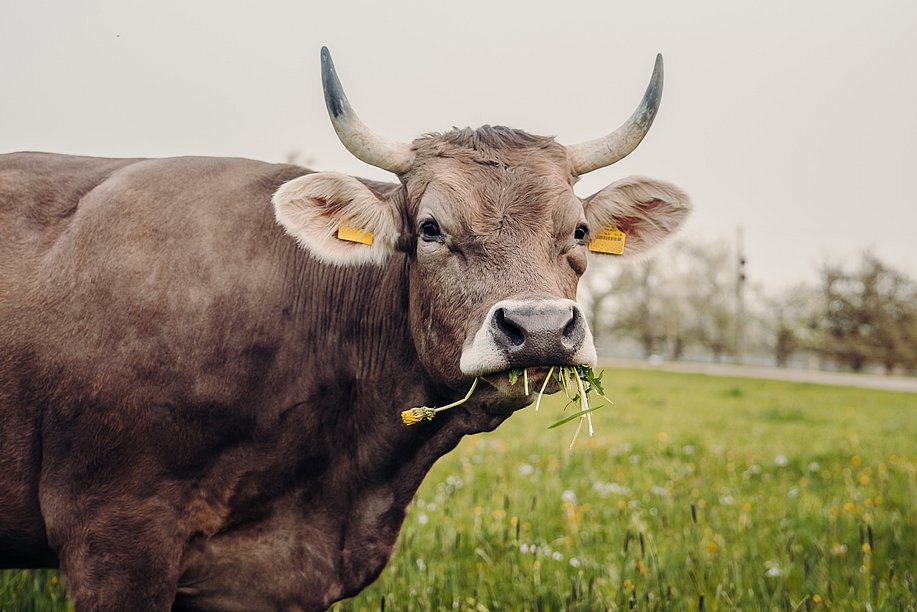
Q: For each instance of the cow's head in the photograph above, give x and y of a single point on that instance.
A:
(495, 236)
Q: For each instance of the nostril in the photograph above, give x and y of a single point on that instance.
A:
(512, 332)
(571, 327)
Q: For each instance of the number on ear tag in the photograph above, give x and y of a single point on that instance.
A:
(609, 240)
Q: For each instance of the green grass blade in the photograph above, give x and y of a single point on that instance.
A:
(577, 414)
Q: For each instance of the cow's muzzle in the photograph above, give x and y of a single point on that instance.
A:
(529, 333)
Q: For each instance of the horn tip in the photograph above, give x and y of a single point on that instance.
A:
(334, 93)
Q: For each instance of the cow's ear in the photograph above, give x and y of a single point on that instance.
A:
(338, 218)
(646, 210)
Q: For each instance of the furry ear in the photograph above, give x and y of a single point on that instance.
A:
(646, 210)
(313, 208)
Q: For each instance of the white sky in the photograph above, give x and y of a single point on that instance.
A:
(794, 120)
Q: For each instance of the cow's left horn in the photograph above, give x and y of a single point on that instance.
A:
(601, 152)
(375, 150)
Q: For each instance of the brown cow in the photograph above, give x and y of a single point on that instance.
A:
(199, 406)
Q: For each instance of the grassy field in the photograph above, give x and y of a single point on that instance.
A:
(695, 493)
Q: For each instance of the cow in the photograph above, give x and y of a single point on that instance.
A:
(203, 361)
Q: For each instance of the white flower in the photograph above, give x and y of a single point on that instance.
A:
(772, 569)
(569, 496)
(574, 562)
(557, 556)
(423, 519)
(781, 460)
(660, 491)
(727, 500)
(608, 488)
(813, 467)
(421, 565)
(526, 469)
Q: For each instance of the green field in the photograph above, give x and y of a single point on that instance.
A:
(695, 493)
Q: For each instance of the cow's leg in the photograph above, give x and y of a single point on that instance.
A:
(116, 553)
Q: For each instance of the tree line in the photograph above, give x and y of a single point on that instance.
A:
(692, 300)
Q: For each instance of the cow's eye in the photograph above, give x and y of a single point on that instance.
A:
(581, 232)
(429, 230)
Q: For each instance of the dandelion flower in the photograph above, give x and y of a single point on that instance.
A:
(416, 415)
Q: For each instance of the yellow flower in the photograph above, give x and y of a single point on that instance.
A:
(746, 507)
(849, 507)
(867, 548)
(662, 436)
(640, 566)
(855, 460)
(54, 579)
(712, 547)
(816, 599)
(628, 585)
(416, 415)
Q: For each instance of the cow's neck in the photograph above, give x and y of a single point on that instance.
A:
(375, 463)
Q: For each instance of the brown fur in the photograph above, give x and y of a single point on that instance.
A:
(195, 412)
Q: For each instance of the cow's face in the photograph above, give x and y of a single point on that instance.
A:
(498, 250)
(495, 238)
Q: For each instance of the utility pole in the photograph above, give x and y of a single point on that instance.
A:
(740, 297)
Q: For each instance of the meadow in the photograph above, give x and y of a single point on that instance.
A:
(696, 493)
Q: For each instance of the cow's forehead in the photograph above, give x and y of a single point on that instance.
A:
(491, 200)
(493, 179)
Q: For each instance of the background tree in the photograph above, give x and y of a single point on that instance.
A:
(792, 321)
(708, 286)
(869, 316)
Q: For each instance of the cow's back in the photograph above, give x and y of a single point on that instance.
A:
(126, 287)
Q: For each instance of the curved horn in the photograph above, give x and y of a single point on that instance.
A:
(601, 152)
(381, 152)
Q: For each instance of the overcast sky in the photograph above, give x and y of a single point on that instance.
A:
(795, 120)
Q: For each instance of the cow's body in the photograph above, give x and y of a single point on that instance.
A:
(165, 343)
(201, 383)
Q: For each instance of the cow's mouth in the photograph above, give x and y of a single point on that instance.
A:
(501, 382)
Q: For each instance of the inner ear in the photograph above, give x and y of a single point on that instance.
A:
(338, 218)
(646, 210)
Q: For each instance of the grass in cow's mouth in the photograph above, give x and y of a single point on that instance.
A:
(577, 382)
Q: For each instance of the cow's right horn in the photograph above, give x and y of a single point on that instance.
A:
(375, 150)
(601, 152)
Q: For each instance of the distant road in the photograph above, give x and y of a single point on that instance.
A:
(871, 381)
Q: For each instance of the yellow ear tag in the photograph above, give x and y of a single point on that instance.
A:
(609, 240)
(355, 234)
